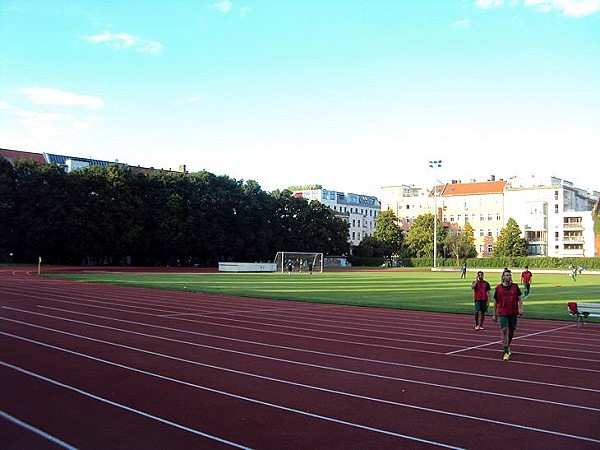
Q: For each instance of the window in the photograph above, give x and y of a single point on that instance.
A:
(489, 232)
(490, 248)
(556, 195)
(481, 232)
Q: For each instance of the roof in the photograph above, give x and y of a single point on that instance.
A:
(479, 188)
(62, 160)
(15, 155)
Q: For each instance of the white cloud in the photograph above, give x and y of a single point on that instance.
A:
(463, 23)
(569, 8)
(47, 125)
(122, 41)
(486, 4)
(223, 6)
(46, 96)
(244, 10)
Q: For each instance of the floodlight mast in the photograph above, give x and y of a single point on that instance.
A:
(435, 165)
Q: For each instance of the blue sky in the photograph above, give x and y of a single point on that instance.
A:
(351, 94)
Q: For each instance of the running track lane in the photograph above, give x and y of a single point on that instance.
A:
(90, 366)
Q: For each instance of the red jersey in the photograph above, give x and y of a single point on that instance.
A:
(507, 299)
(480, 291)
(526, 277)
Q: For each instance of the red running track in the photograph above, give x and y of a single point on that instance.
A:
(97, 366)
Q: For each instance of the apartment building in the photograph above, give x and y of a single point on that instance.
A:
(554, 215)
(360, 211)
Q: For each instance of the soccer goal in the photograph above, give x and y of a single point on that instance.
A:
(299, 262)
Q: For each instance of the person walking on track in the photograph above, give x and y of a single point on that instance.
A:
(508, 305)
(526, 276)
(481, 295)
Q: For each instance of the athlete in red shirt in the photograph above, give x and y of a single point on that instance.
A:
(508, 305)
(481, 295)
(526, 276)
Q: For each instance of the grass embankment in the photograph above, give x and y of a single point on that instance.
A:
(426, 291)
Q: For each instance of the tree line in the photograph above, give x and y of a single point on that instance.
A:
(389, 241)
(112, 216)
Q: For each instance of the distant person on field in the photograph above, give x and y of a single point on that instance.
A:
(463, 271)
(579, 269)
(508, 305)
(574, 273)
(481, 295)
(310, 267)
(290, 267)
(526, 276)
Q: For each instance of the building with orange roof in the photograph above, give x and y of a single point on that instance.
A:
(555, 217)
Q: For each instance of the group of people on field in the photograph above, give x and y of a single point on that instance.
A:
(300, 263)
(508, 304)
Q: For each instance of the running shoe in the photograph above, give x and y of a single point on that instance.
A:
(481, 327)
(477, 327)
(506, 356)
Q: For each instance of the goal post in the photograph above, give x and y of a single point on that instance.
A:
(300, 262)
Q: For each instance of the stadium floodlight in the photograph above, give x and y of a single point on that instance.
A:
(436, 164)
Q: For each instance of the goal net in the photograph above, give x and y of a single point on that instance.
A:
(299, 262)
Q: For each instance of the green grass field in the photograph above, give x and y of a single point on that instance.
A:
(426, 291)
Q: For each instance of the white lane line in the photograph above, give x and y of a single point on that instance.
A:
(204, 388)
(283, 347)
(515, 339)
(37, 431)
(307, 413)
(287, 361)
(116, 404)
(154, 312)
(195, 313)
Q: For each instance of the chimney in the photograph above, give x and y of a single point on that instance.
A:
(182, 168)
(493, 178)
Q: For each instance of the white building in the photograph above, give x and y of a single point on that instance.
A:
(360, 211)
(554, 216)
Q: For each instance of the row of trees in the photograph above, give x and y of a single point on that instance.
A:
(113, 216)
(388, 240)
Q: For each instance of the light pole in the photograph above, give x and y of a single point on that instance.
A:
(435, 165)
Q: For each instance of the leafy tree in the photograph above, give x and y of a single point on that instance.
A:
(41, 210)
(419, 241)
(510, 242)
(389, 232)
(7, 205)
(370, 247)
(99, 215)
(461, 245)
